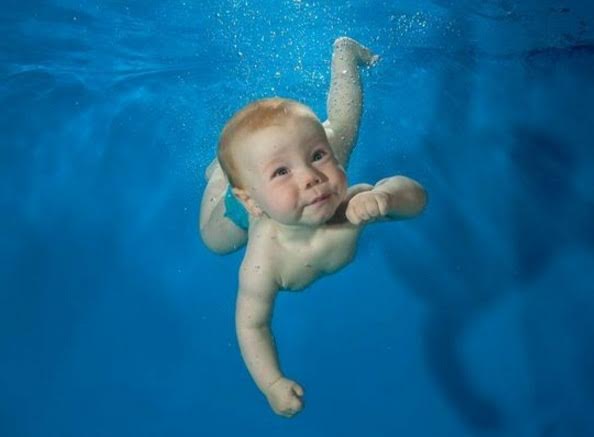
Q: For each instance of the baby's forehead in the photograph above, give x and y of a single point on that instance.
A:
(276, 141)
(295, 127)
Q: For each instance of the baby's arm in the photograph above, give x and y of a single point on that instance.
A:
(397, 197)
(255, 301)
(345, 96)
(219, 233)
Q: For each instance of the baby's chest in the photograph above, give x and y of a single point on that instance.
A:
(301, 266)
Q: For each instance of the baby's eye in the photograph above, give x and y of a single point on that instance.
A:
(281, 171)
(319, 154)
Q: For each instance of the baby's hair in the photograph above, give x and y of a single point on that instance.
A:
(256, 115)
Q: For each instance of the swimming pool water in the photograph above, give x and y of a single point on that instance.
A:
(474, 319)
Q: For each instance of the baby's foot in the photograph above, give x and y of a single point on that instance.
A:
(345, 46)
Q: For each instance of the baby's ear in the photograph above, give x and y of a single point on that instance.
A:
(247, 201)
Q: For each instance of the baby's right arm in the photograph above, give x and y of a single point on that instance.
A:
(255, 301)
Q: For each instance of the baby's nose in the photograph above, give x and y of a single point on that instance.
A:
(314, 181)
(311, 178)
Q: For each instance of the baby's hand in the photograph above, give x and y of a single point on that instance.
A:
(285, 397)
(367, 206)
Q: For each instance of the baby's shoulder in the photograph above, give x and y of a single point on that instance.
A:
(260, 254)
(259, 265)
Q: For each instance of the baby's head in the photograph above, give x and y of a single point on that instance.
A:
(254, 117)
(277, 158)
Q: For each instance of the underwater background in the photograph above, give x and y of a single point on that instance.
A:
(475, 319)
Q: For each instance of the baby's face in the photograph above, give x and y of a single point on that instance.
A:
(290, 173)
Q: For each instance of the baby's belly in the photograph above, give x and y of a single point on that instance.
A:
(299, 272)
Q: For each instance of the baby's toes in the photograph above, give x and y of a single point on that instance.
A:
(372, 60)
(344, 43)
(361, 53)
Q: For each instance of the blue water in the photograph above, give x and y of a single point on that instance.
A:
(475, 319)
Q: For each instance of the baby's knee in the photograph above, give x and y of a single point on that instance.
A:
(213, 167)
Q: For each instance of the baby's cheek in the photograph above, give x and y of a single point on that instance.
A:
(284, 202)
(341, 182)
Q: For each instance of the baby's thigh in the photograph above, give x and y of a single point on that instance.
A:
(223, 228)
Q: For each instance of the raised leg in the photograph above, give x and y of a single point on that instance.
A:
(345, 97)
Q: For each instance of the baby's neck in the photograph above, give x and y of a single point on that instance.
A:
(288, 235)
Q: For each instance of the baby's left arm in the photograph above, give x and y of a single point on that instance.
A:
(397, 197)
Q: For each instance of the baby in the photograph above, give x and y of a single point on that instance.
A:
(285, 168)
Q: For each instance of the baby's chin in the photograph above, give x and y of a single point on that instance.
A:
(322, 219)
(312, 218)
(308, 222)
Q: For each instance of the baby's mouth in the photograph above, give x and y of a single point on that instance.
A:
(320, 199)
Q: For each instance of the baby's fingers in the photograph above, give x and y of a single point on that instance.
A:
(298, 390)
(376, 206)
(371, 209)
(354, 214)
(294, 405)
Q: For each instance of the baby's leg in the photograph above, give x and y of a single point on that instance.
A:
(218, 232)
(346, 96)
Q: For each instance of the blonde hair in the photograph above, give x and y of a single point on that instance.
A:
(257, 115)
